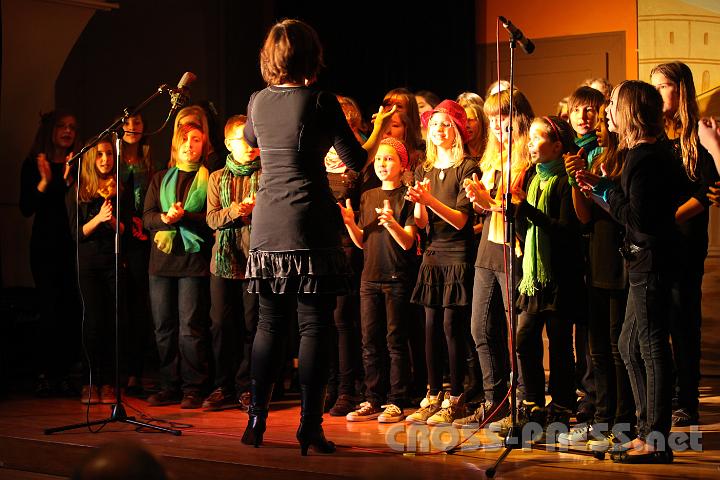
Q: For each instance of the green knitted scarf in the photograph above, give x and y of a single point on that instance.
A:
(225, 255)
(195, 202)
(536, 262)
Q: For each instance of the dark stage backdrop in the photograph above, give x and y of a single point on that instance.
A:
(371, 47)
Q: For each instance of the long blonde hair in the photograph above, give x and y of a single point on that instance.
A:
(499, 105)
(457, 151)
(90, 180)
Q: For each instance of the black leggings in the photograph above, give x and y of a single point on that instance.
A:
(315, 315)
(447, 321)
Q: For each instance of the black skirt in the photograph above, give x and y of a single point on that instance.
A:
(445, 280)
(322, 271)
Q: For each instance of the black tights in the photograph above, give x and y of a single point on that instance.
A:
(447, 322)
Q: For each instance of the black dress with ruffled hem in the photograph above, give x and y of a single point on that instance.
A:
(319, 271)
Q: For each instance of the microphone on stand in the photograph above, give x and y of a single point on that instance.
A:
(517, 34)
(180, 96)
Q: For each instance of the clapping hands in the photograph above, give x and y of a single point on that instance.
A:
(174, 214)
(476, 192)
(420, 192)
(385, 214)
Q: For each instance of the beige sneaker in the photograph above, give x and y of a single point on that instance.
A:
(391, 414)
(450, 410)
(481, 415)
(428, 407)
(366, 412)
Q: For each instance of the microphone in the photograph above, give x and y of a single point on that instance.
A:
(180, 96)
(517, 34)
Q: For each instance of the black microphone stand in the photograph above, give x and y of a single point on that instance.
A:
(514, 440)
(115, 130)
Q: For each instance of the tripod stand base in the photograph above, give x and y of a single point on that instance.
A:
(118, 415)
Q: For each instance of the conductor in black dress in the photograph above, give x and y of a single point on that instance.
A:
(296, 260)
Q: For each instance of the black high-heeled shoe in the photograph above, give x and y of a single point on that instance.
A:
(254, 431)
(257, 413)
(310, 432)
(315, 438)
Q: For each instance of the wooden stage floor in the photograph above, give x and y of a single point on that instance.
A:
(210, 447)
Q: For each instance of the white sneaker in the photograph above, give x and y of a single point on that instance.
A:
(392, 414)
(365, 413)
(578, 435)
(602, 442)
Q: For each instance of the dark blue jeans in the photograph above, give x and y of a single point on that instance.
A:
(384, 310)
(645, 349)
(180, 312)
(315, 315)
(488, 326)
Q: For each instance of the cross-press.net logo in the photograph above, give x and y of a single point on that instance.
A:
(418, 438)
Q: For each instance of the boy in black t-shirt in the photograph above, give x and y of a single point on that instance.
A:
(387, 235)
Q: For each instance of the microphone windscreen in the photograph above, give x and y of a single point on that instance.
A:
(187, 79)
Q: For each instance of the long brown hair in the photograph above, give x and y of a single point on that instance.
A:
(639, 112)
(413, 134)
(687, 116)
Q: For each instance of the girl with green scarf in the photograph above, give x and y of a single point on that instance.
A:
(552, 288)
(179, 268)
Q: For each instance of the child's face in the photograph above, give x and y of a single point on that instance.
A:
(611, 111)
(583, 119)
(499, 125)
(64, 132)
(472, 124)
(133, 124)
(396, 129)
(104, 159)
(668, 91)
(542, 148)
(601, 130)
(241, 151)
(397, 100)
(191, 147)
(387, 164)
(423, 105)
(441, 131)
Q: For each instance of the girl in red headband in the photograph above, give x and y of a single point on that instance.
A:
(387, 237)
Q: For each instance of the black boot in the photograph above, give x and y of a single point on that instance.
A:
(310, 433)
(257, 414)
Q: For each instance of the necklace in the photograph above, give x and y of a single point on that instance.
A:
(441, 175)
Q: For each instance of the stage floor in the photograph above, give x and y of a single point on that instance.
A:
(210, 447)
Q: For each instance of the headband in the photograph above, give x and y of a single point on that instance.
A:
(399, 148)
(552, 124)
